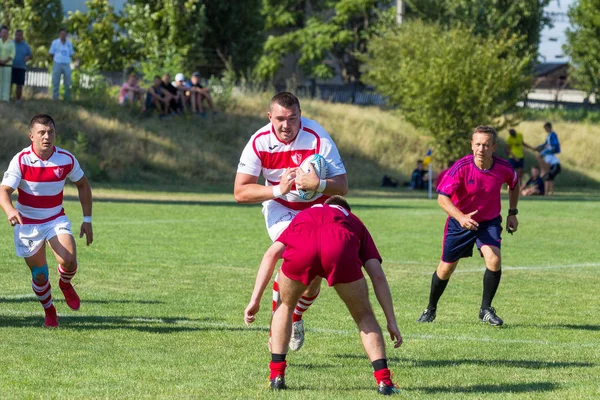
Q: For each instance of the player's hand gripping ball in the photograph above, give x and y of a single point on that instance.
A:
(317, 163)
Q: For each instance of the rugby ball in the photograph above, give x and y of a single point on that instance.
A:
(313, 162)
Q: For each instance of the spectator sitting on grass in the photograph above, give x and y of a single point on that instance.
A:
(131, 93)
(175, 97)
(156, 98)
(535, 184)
(199, 93)
(184, 90)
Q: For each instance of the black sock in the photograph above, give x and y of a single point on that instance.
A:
(491, 280)
(437, 289)
(379, 364)
(278, 357)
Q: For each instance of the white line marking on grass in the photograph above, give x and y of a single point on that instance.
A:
(343, 332)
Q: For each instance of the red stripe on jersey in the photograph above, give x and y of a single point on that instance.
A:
(318, 148)
(298, 206)
(254, 142)
(31, 200)
(45, 174)
(29, 221)
(284, 159)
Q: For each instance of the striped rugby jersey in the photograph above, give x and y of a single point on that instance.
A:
(40, 183)
(267, 154)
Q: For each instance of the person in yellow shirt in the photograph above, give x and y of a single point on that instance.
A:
(7, 53)
(514, 149)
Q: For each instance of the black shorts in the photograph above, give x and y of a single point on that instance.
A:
(18, 76)
(458, 242)
(554, 170)
(517, 162)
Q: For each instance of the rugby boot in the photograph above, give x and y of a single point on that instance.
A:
(51, 318)
(489, 315)
(427, 316)
(71, 296)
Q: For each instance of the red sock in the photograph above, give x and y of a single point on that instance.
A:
(384, 375)
(277, 368)
(302, 306)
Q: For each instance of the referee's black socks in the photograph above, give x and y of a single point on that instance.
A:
(491, 280)
(437, 289)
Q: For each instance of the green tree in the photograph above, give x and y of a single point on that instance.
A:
(447, 81)
(326, 34)
(583, 45)
(99, 43)
(166, 33)
(40, 21)
(524, 18)
(235, 30)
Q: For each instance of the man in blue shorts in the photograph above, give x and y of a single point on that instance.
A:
(470, 195)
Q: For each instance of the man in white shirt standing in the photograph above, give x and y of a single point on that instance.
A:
(61, 51)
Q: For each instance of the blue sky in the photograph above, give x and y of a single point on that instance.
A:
(552, 39)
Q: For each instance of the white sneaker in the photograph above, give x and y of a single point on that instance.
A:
(297, 339)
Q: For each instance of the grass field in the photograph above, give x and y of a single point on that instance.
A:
(166, 281)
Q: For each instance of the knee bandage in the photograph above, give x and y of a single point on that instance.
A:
(35, 271)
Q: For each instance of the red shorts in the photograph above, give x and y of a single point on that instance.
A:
(329, 251)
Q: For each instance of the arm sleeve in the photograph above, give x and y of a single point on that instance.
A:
(329, 151)
(28, 51)
(555, 146)
(52, 50)
(449, 183)
(249, 161)
(511, 179)
(76, 172)
(13, 51)
(368, 249)
(71, 49)
(12, 176)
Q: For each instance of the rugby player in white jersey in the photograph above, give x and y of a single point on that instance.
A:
(277, 150)
(39, 173)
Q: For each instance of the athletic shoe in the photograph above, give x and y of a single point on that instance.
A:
(427, 316)
(51, 319)
(387, 390)
(489, 315)
(71, 296)
(277, 383)
(297, 339)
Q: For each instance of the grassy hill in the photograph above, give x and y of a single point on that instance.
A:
(186, 153)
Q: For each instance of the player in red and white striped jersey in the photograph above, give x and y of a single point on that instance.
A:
(39, 173)
(277, 150)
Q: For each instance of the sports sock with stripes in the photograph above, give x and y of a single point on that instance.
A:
(43, 293)
(66, 276)
(302, 306)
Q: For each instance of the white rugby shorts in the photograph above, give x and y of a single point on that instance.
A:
(30, 238)
(277, 217)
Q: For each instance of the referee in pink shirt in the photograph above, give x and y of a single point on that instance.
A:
(470, 195)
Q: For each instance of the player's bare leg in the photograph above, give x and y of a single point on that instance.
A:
(439, 281)
(281, 328)
(306, 300)
(64, 250)
(40, 284)
(308, 297)
(356, 297)
(491, 281)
